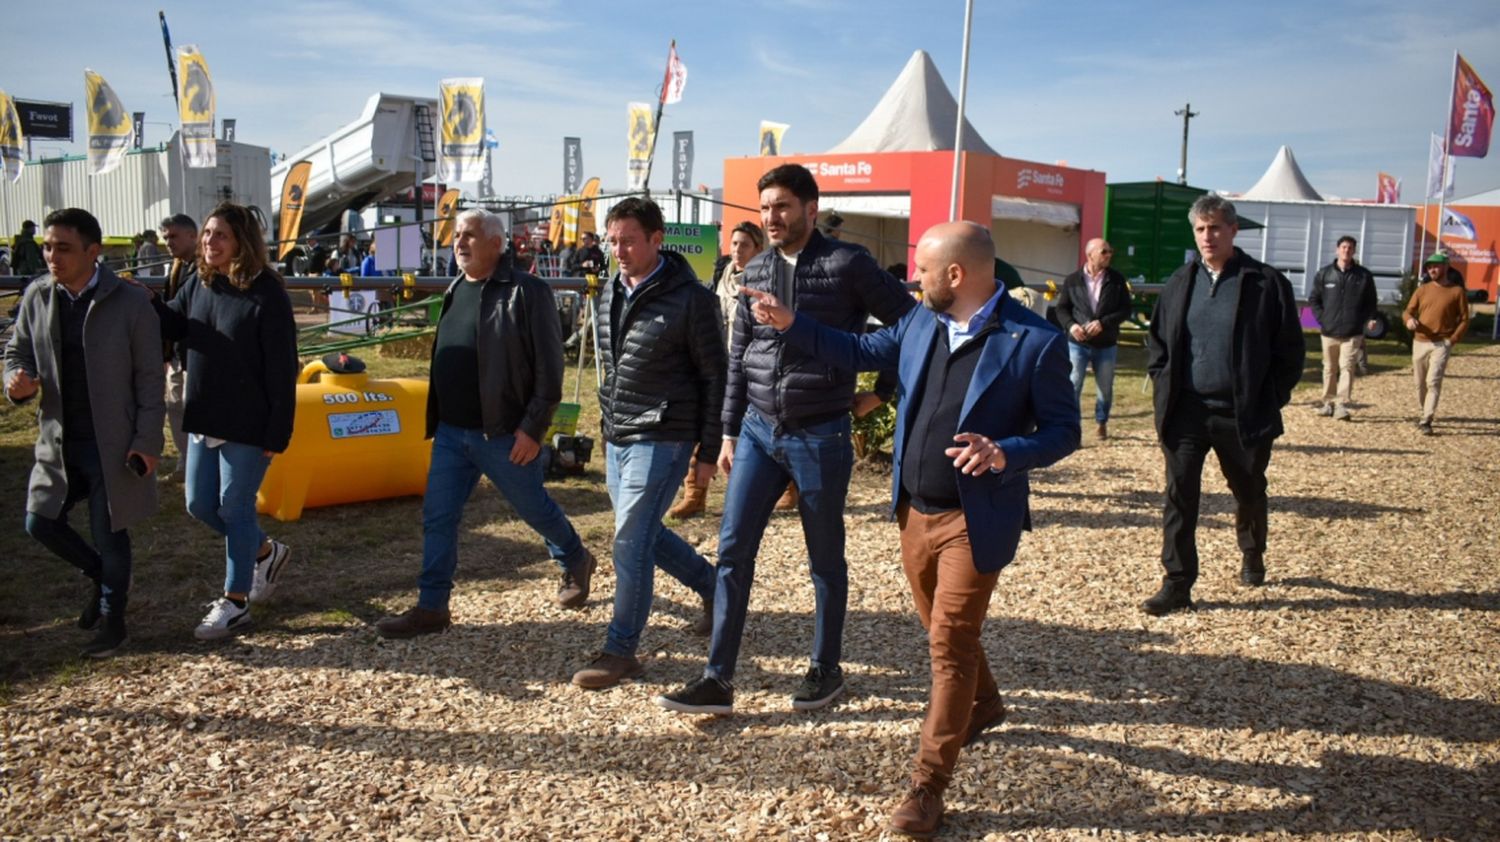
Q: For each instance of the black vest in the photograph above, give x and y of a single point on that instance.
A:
(928, 479)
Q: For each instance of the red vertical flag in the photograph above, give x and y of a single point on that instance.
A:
(1389, 191)
(1473, 114)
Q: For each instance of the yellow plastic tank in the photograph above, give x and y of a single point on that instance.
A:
(354, 439)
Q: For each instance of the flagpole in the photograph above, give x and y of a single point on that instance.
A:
(963, 92)
(661, 102)
(166, 41)
(1447, 138)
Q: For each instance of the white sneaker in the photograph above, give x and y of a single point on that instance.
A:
(224, 619)
(268, 570)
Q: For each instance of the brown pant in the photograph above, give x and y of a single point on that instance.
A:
(951, 598)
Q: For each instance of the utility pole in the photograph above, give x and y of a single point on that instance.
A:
(1187, 113)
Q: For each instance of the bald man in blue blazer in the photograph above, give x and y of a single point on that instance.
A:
(984, 398)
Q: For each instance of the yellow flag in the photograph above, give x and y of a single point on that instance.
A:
(293, 198)
(109, 124)
(770, 137)
(585, 221)
(10, 138)
(461, 149)
(447, 214)
(196, 109)
(639, 137)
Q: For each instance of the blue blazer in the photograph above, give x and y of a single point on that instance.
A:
(1020, 397)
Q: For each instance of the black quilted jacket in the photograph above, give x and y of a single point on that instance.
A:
(662, 351)
(838, 284)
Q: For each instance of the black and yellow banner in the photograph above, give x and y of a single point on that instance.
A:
(639, 137)
(11, 138)
(110, 127)
(461, 147)
(447, 214)
(770, 137)
(293, 199)
(196, 109)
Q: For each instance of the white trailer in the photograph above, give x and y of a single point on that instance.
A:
(149, 185)
(1300, 238)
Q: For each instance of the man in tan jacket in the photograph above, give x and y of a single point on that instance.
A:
(1437, 316)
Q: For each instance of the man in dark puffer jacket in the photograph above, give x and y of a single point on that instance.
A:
(786, 418)
(662, 350)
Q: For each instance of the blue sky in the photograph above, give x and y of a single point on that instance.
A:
(1352, 87)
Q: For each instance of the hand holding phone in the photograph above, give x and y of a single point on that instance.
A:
(137, 465)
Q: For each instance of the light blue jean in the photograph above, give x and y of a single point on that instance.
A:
(643, 477)
(459, 456)
(221, 486)
(1103, 360)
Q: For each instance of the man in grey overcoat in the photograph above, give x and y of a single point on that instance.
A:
(90, 345)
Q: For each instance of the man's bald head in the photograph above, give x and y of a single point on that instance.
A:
(1097, 254)
(956, 267)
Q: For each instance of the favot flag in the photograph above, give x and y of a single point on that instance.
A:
(10, 138)
(770, 137)
(196, 109)
(461, 148)
(293, 199)
(1389, 190)
(1473, 114)
(638, 137)
(675, 80)
(109, 124)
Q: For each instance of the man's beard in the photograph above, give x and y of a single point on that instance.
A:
(938, 301)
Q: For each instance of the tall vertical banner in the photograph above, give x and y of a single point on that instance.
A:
(1473, 114)
(11, 139)
(770, 137)
(572, 165)
(461, 148)
(293, 197)
(675, 80)
(196, 109)
(447, 213)
(1435, 171)
(226, 129)
(586, 221)
(138, 128)
(1388, 189)
(682, 160)
(109, 124)
(640, 135)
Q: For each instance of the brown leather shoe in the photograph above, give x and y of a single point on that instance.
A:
(1103, 430)
(694, 501)
(788, 501)
(986, 715)
(921, 814)
(413, 622)
(574, 591)
(607, 670)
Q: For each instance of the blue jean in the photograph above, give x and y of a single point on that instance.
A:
(221, 486)
(1104, 375)
(459, 456)
(819, 458)
(643, 477)
(108, 560)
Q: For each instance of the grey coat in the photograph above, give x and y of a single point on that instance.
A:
(122, 343)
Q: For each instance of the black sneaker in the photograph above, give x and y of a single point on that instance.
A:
(819, 688)
(1171, 597)
(110, 638)
(706, 695)
(92, 610)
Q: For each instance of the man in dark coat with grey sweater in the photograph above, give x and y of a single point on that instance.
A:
(90, 345)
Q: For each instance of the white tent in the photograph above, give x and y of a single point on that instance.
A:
(916, 114)
(1283, 182)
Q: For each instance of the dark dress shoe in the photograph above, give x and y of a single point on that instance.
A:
(413, 622)
(1170, 598)
(986, 715)
(1253, 570)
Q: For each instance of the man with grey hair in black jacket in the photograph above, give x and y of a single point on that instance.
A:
(1225, 351)
(496, 379)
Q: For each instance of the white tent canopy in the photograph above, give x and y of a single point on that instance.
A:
(917, 114)
(1283, 182)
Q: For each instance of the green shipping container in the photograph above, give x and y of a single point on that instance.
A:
(1146, 222)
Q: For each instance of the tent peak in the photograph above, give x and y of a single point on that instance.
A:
(1283, 181)
(917, 114)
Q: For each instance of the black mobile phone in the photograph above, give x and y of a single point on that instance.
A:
(136, 464)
